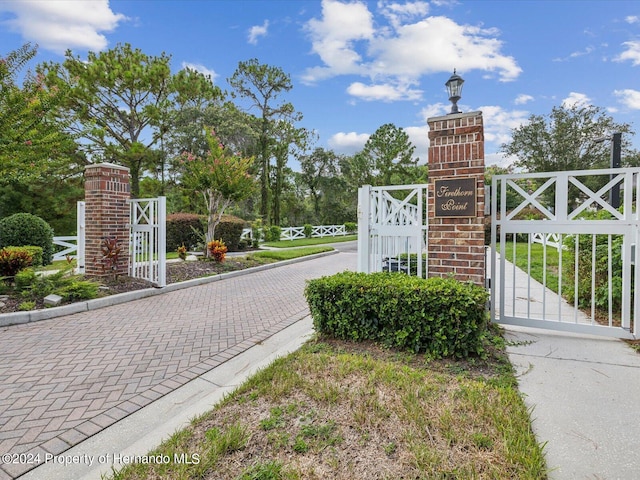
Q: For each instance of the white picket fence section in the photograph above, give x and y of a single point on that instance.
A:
(293, 233)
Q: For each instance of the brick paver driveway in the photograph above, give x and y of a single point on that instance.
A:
(65, 379)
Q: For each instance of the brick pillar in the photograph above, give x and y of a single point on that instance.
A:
(106, 191)
(456, 152)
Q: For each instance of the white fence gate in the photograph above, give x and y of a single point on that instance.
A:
(562, 228)
(392, 229)
(147, 240)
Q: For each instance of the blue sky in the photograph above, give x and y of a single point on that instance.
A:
(356, 65)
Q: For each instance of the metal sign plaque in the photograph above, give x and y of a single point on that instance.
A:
(455, 197)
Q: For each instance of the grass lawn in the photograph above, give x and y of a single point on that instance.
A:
(537, 262)
(302, 242)
(289, 254)
(343, 410)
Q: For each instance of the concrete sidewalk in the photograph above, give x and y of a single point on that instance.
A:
(583, 391)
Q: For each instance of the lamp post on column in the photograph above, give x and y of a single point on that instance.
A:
(454, 87)
(615, 162)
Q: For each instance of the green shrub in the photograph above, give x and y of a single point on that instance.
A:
(24, 279)
(69, 287)
(229, 230)
(185, 228)
(24, 229)
(26, 306)
(36, 254)
(272, 233)
(256, 233)
(350, 227)
(14, 259)
(78, 290)
(438, 316)
(308, 230)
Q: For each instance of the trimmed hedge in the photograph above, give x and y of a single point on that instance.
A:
(24, 229)
(181, 226)
(180, 230)
(229, 230)
(439, 316)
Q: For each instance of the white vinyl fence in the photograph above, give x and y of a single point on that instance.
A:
(293, 233)
(73, 246)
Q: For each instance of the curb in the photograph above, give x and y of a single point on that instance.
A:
(18, 318)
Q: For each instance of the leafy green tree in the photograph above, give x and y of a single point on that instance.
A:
(288, 140)
(389, 154)
(114, 102)
(316, 169)
(565, 139)
(220, 177)
(33, 145)
(53, 199)
(568, 139)
(261, 85)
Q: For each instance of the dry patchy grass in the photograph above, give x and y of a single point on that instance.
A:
(355, 411)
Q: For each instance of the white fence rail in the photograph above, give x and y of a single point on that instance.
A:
(73, 245)
(69, 245)
(71, 248)
(548, 239)
(293, 233)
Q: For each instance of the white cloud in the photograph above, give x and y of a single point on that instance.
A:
(384, 92)
(632, 19)
(434, 110)
(333, 37)
(631, 53)
(397, 13)
(258, 31)
(499, 123)
(577, 100)
(348, 143)
(498, 159)
(58, 25)
(202, 69)
(419, 137)
(522, 99)
(412, 45)
(438, 44)
(629, 98)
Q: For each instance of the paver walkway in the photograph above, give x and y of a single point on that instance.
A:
(65, 379)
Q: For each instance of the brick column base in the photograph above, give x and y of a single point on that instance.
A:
(106, 217)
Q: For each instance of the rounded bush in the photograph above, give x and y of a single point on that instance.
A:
(24, 229)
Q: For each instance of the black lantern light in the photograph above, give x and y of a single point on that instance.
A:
(454, 87)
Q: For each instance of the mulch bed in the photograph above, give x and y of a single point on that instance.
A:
(176, 272)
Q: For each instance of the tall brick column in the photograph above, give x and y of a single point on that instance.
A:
(106, 191)
(456, 151)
